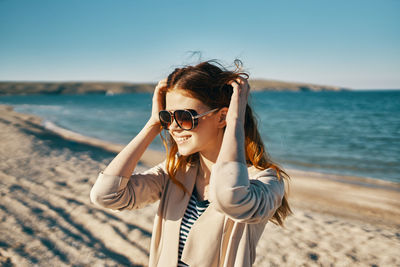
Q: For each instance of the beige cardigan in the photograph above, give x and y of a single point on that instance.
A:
(226, 234)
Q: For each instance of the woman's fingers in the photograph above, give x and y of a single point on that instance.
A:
(240, 85)
(159, 98)
(237, 106)
(160, 88)
(161, 85)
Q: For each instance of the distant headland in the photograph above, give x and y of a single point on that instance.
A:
(110, 88)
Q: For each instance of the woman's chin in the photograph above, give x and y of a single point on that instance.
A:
(185, 151)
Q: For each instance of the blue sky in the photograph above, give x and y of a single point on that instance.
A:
(353, 44)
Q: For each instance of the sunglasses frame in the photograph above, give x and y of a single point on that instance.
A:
(195, 118)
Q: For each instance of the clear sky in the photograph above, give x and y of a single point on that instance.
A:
(346, 43)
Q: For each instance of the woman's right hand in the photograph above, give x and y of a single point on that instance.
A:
(158, 101)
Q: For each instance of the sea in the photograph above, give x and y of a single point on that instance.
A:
(353, 133)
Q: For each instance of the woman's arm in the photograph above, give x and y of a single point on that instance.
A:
(115, 186)
(232, 192)
(125, 162)
(242, 199)
(232, 148)
(134, 192)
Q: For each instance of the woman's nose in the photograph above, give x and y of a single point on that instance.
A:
(174, 125)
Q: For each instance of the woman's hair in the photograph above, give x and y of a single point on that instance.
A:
(207, 82)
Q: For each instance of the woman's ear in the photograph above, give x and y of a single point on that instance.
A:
(222, 117)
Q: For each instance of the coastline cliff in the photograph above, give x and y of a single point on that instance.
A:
(110, 88)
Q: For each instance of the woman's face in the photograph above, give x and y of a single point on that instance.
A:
(203, 138)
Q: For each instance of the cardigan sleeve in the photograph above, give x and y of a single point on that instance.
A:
(134, 192)
(243, 199)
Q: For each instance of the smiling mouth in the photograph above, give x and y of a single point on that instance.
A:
(180, 140)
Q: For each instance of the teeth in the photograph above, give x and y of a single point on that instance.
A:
(181, 139)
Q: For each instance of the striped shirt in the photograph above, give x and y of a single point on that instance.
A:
(193, 211)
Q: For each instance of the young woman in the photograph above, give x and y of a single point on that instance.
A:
(217, 187)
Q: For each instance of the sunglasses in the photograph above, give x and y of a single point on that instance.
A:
(187, 119)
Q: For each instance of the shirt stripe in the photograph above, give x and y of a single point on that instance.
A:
(193, 211)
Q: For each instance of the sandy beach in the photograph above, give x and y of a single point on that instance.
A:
(47, 219)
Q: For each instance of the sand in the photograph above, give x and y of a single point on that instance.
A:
(47, 219)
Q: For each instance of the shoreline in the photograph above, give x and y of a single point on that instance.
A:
(306, 185)
(48, 219)
(151, 156)
(157, 154)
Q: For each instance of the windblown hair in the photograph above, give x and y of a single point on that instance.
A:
(207, 82)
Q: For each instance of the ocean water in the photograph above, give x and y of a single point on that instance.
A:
(351, 133)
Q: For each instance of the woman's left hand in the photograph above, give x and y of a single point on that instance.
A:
(237, 106)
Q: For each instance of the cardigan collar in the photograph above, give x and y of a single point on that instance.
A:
(175, 203)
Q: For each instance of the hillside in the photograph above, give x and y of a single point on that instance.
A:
(273, 85)
(18, 88)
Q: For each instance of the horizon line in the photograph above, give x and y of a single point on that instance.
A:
(155, 82)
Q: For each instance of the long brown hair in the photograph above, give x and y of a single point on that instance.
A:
(207, 82)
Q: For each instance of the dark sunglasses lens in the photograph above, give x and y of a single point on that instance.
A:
(165, 118)
(184, 119)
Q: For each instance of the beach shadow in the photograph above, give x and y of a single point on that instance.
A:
(93, 241)
(143, 250)
(130, 226)
(4, 244)
(20, 250)
(85, 238)
(313, 256)
(56, 142)
(16, 187)
(53, 248)
(5, 121)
